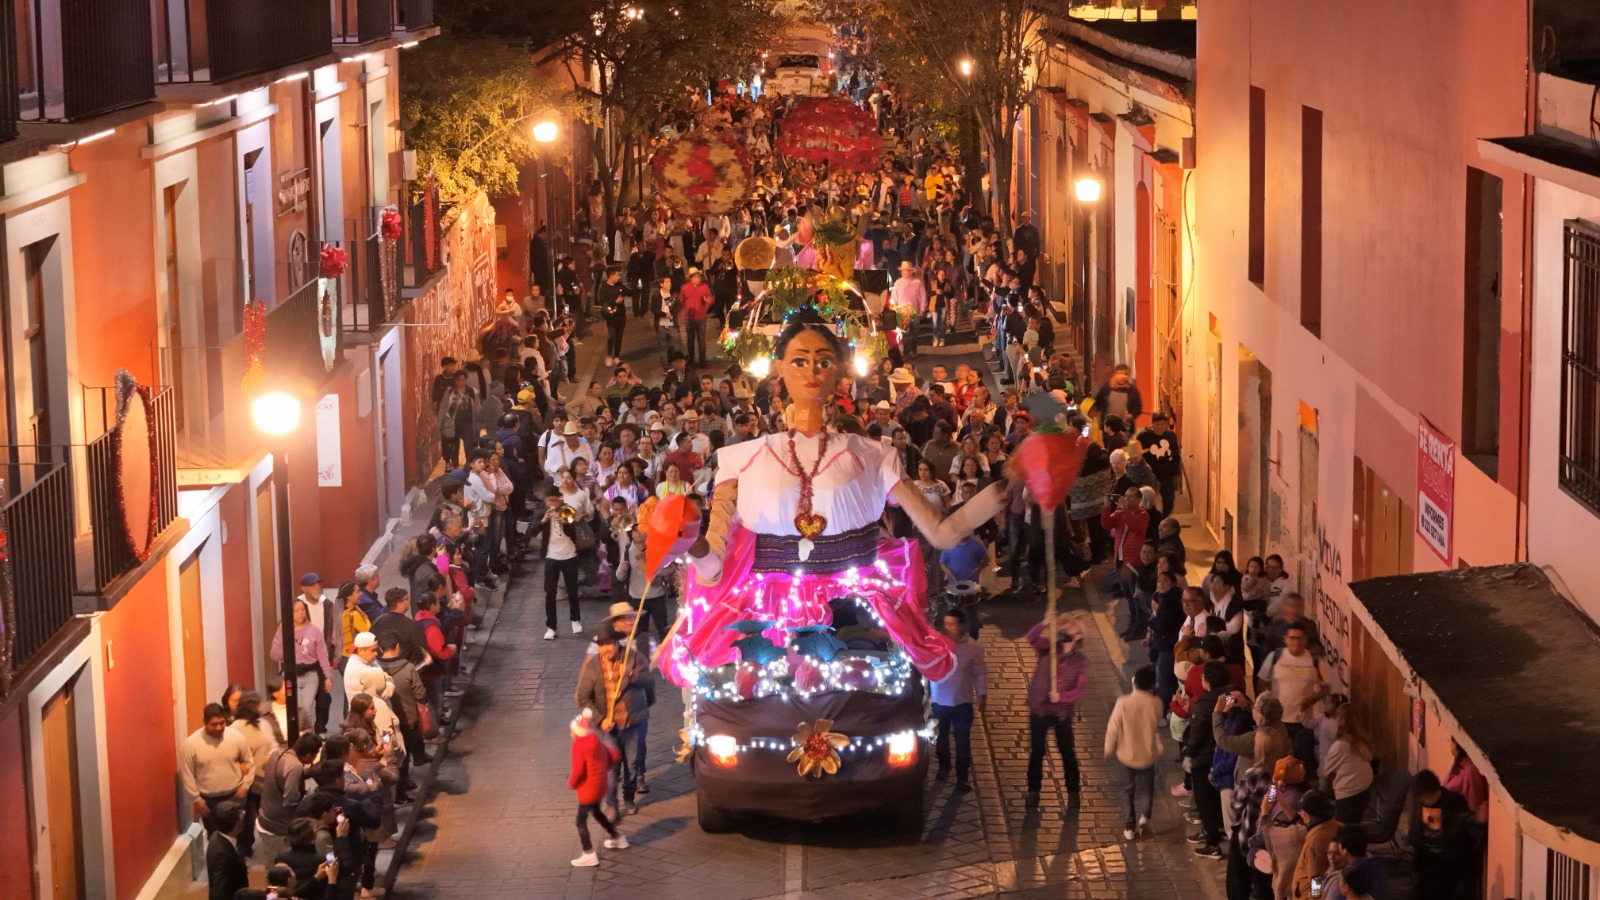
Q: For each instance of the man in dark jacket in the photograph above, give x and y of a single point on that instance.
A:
(409, 692)
(1199, 745)
(445, 378)
(396, 622)
(1160, 444)
(225, 866)
(1119, 397)
(283, 786)
(641, 275)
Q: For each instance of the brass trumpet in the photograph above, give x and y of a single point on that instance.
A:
(567, 514)
(622, 525)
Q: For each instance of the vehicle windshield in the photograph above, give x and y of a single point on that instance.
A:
(797, 61)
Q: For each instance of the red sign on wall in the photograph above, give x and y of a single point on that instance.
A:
(1436, 487)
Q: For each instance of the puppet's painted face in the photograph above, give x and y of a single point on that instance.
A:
(811, 368)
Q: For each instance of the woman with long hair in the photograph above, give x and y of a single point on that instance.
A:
(1347, 767)
(931, 486)
(1221, 587)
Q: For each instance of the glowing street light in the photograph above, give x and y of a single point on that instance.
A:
(760, 367)
(1087, 190)
(633, 13)
(546, 132)
(275, 413)
(966, 68)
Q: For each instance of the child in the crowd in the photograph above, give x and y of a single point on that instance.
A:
(592, 761)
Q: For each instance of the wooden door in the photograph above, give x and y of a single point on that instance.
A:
(194, 644)
(59, 727)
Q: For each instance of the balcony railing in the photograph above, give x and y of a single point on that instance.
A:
(219, 40)
(75, 60)
(420, 256)
(113, 551)
(362, 21)
(372, 289)
(38, 522)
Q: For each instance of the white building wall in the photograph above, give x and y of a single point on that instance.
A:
(1562, 533)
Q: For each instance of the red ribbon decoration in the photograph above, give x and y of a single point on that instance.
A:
(334, 261)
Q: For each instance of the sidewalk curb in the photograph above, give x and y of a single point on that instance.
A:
(426, 776)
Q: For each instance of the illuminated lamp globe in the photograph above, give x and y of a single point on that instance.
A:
(760, 367)
(275, 413)
(1087, 190)
(863, 366)
(545, 132)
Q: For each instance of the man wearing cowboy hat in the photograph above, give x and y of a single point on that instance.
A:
(572, 447)
(624, 712)
(695, 298)
(909, 292)
(883, 417)
(698, 442)
(903, 387)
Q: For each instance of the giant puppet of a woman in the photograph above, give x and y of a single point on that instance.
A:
(794, 525)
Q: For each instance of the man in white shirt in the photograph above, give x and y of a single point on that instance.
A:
(560, 562)
(1294, 675)
(479, 494)
(363, 660)
(572, 447)
(710, 250)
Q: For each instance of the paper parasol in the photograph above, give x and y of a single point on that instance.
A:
(671, 528)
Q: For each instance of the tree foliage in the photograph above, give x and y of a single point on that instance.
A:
(631, 63)
(468, 108)
(923, 44)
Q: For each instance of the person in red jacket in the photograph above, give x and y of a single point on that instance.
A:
(695, 298)
(435, 675)
(1126, 524)
(592, 760)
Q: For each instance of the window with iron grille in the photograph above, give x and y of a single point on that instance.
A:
(1565, 878)
(1579, 469)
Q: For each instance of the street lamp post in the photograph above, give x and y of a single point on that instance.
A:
(1087, 192)
(277, 415)
(546, 133)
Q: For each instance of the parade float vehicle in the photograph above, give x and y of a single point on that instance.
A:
(821, 728)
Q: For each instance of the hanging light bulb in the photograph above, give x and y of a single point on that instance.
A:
(863, 365)
(760, 366)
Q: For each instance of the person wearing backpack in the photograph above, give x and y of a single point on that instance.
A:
(1294, 675)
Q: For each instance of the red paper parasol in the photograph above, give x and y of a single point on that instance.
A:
(830, 130)
(1050, 464)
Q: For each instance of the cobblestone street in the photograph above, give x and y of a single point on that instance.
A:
(501, 825)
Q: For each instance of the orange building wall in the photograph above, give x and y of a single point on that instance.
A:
(234, 510)
(140, 751)
(16, 854)
(113, 257)
(348, 514)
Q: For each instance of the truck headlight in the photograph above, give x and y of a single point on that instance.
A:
(724, 749)
(902, 748)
